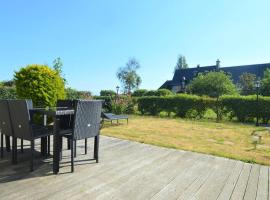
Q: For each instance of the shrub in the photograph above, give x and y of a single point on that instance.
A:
(7, 92)
(151, 93)
(245, 108)
(179, 104)
(76, 94)
(107, 106)
(164, 92)
(107, 93)
(139, 93)
(159, 92)
(40, 83)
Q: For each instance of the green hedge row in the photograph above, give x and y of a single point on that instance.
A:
(179, 104)
(244, 108)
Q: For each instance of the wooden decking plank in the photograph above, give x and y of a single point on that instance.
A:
(131, 170)
(178, 185)
(67, 178)
(262, 192)
(252, 185)
(231, 182)
(114, 183)
(240, 187)
(156, 179)
(191, 190)
(136, 157)
(214, 184)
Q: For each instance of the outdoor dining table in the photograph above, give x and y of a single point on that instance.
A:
(55, 113)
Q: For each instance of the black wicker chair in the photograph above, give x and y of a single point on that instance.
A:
(23, 126)
(5, 126)
(66, 121)
(86, 125)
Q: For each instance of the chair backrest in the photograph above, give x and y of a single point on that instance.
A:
(87, 118)
(66, 121)
(5, 123)
(20, 118)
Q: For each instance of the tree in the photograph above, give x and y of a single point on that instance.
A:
(41, 84)
(247, 81)
(213, 84)
(265, 88)
(181, 63)
(128, 75)
(58, 67)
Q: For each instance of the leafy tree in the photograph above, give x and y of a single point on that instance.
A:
(181, 63)
(213, 84)
(58, 66)
(128, 75)
(40, 83)
(265, 88)
(107, 93)
(247, 81)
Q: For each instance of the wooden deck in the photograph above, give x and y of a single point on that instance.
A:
(130, 170)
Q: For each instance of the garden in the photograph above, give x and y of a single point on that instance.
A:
(213, 116)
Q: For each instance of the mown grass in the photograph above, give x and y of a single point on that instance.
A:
(226, 139)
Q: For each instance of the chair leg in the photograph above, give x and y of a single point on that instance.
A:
(32, 155)
(72, 154)
(7, 143)
(61, 148)
(96, 148)
(49, 146)
(85, 146)
(2, 145)
(68, 143)
(75, 148)
(21, 145)
(14, 150)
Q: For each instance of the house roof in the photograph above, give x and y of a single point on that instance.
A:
(234, 71)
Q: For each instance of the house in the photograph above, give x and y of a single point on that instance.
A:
(183, 76)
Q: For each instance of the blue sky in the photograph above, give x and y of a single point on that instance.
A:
(95, 38)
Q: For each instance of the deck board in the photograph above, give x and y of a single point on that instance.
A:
(131, 170)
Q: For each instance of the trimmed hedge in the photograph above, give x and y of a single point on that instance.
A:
(244, 108)
(179, 104)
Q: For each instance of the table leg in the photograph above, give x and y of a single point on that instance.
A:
(56, 146)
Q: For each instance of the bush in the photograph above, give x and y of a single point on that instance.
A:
(41, 84)
(107, 93)
(160, 92)
(7, 92)
(76, 94)
(164, 92)
(245, 108)
(179, 104)
(107, 106)
(139, 93)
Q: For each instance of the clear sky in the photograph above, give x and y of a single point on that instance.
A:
(95, 38)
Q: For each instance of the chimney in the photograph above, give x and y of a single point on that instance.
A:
(218, 64)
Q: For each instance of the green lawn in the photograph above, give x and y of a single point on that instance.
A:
(232, 140)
